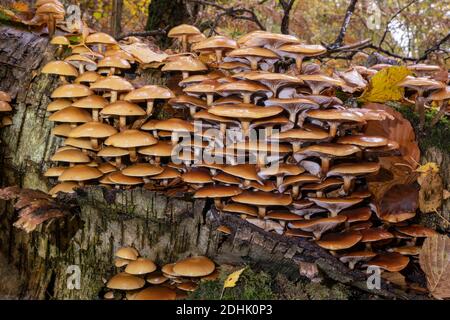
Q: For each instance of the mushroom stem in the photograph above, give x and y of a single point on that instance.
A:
(261, 212)
(268, 131)
(253, 63)
(347, 183)
(185, 74)
(63, 79)
(150, 104)
(113, 96)
(118, 162)
(192, 110)
(95, 116)
(325, 164)
(295, 191)
(209, 99)
(218, 203)
(81, 183)
(279, 181)
(80, 68)
(218, 55)
(112, 71)
(245, 128)
(333, 129)
(184, 43)
(440, 113)
(174, 138)
(100, 48)
(247, 97)
(292, 116)
(296, 145)
(223, 129)
(298, 63)
(94, 143)
(133, 155)
(51, 25)
(122, 123)
(420, 107)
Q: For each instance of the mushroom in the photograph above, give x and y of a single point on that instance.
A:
(80, 173)
(113, 84)
(217, 192)
(242, 209)
(391, 261)
(185, 64)
(186, 101)
(262, 200)
(253, 55)
(52, 12)
(216, 44)
(326, 152)
(374, 235)
(125, 281)
(81, 62)
(60, 68)
(260, 38)
(71, 115)
(348, 171)
(113, 152)
(168, 174)
(118, 178)
(442, 97)
(245, 171)
(94, 131)
(244, 88)
(61, 42)
(339, 241)
(64, 187)
(131, 139)
(149, 94)
(182, 33)
(87, 78)
(113, 62)
(206, 87)
(155, 293)
(318, 82)
(318, 226)
(140, 266)
(71, 91)
(156, 151)
(176, 126)
(334, 117)
(198, 177)
(142, 170)
(353, 257)
(421, 85)
(93, 102)
(198, 266)
(123, 109)
(293, 106)
(280, 171)
(416, 231)
(245, 113)
(274, 81)
(335, 205)
(297, 137)
(300, 51)
(100, 39)
(295, 182)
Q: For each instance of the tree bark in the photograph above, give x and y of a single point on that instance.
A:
(116, 18)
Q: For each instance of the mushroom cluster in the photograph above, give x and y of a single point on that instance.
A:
(140, 279)
(5, 109)
(48, 13)
(264, 136)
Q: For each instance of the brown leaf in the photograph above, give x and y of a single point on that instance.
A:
(395, 278)
(435, 262)
(399, 203)
(398, 129)
(431, 191)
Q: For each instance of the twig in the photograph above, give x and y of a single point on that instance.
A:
(392, 18)
(143, 33)
(348, 15)
(436, 47)
(236, 13)
(286, 5)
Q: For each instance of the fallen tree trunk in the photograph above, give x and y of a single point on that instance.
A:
(162, 228)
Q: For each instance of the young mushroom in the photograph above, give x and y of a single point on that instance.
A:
(217, 193)
(183, 32)
(185, 64)
(149, 94)
(349, 171)
(300, 51)
(131, 139)
(114, 85)
(217, 45)
(100, 39)
(60, 68)
(122, 109)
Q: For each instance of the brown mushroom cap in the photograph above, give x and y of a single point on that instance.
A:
(71, 91)
(335, 115)
(335, 205)
(60, 40)
(142, 170)
(62, 130)
(61, 68)
(71, 115)
(309, 133)
(168, 173)
(217, 191)
(194, 267)
(260, 198)
(130, 139)
(160, 149)
(54, 171)
(421, 84)
(4, 96)
(71, 155)
(318, 225)
(339, 241)
(240, 208)
(114, 61)
(93, 130)
(181, 101)
(417, 231)
(149, 92)
(100, 38)
(156, 278)
(183, 29)
(263, 38)
(113, 83)
(329, 149)
(140, 266)
(357, 256)
(185, 63)
(5, 106)
(244, 171)
(197, 176)
(91, 102)
(357, 214)
(87, 77)
(443, 94)
(375, 234)
(125, 281)
(354, 169)
(128, 253)
(119, 178)
(391, 261)
(122, 108)
(243, 86)
(172, 124)
(308, 50)
(364, 141)
(244, 111)
(155, 293)
(65, 187)
(80, 173)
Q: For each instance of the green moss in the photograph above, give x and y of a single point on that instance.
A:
(436, 136)
(250, 286)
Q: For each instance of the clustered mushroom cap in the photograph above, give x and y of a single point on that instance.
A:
(194, 267)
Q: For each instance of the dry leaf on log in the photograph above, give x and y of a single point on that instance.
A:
(431, 188)
(398, 129)
(399, 203)
(435, 262)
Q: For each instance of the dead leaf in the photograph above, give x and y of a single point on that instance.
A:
(400, 199)
(383, 85)
(308, 270)
(435, 262)
(431, 191)
(397, 129)
(395, 278)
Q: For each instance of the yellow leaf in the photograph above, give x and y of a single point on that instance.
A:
(232, 279)
(429, 166)
(383, 85)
